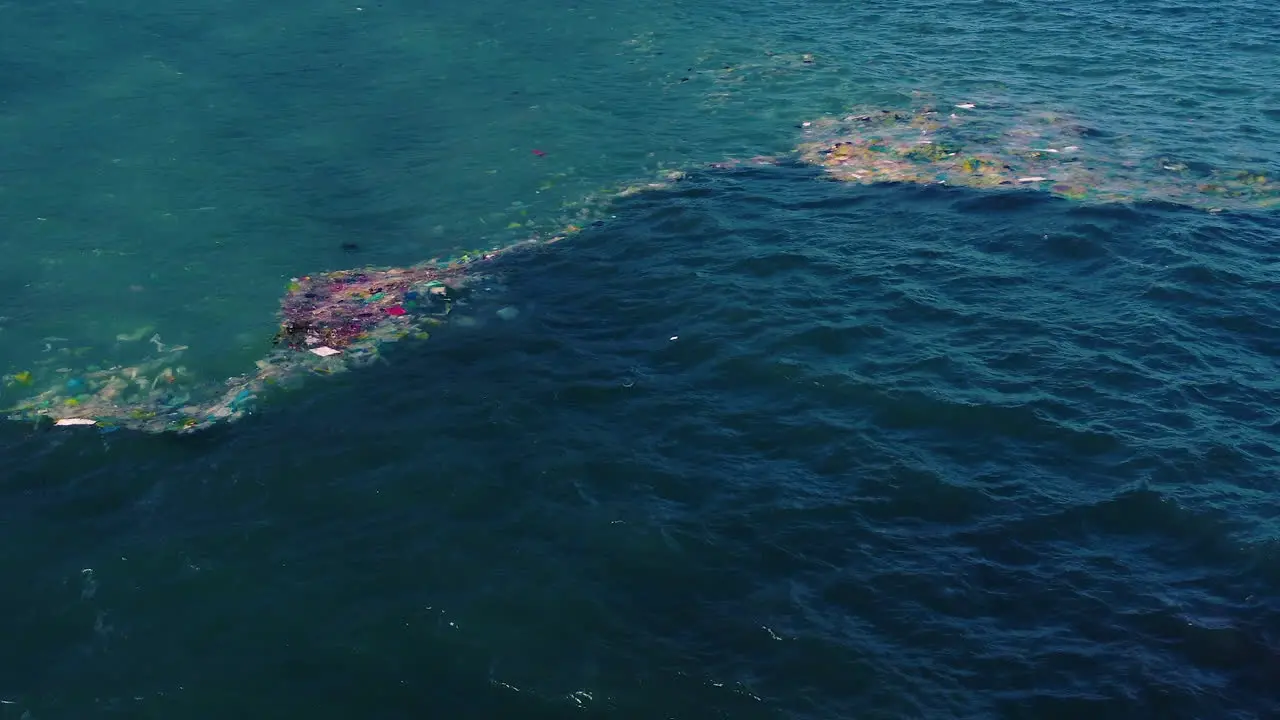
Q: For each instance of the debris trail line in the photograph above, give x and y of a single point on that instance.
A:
(335, 321)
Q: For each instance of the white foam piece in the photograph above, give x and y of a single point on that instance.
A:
(75, 421)
(325, 351)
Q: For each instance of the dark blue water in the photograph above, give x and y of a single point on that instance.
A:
(912, 453)
(758, 446)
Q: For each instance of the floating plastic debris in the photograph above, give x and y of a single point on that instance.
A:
(334, 321)
(926, 147)
(329, 323)
(134, 336)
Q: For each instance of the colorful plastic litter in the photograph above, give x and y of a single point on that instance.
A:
(334, 321)
(975, 149)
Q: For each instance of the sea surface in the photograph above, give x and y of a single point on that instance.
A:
(755, 445)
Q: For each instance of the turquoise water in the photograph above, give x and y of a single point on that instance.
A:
(759, 445)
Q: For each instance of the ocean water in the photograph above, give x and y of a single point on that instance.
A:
(757, 445)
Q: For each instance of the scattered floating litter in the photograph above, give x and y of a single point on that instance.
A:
(349, 315)
(926, 147)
